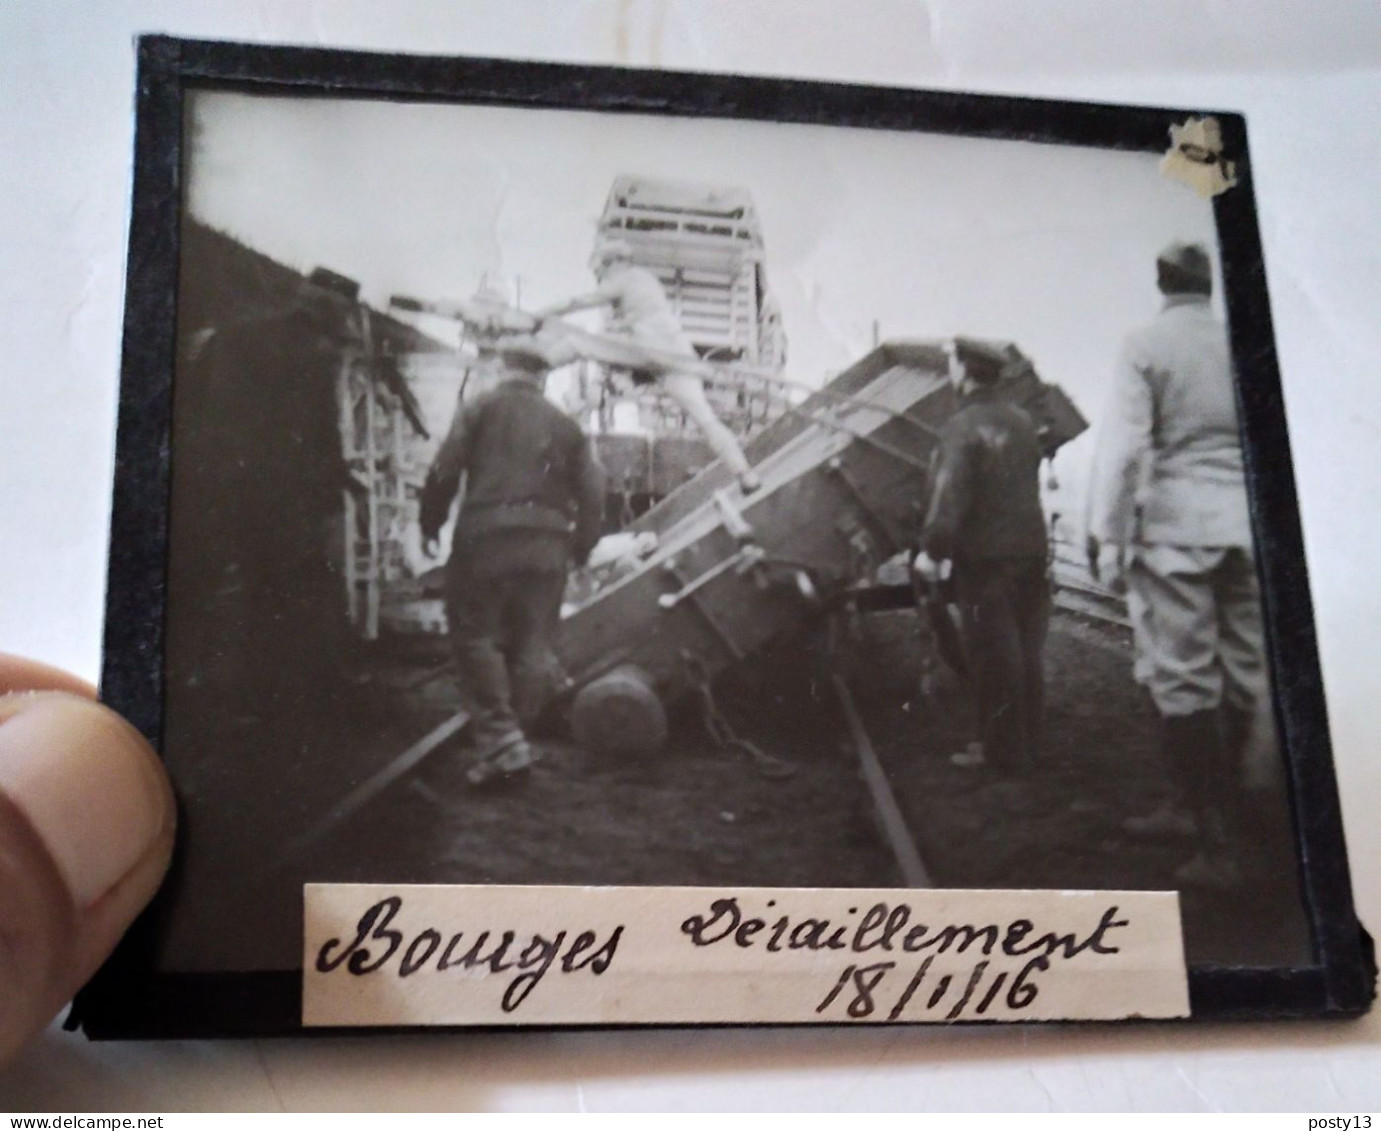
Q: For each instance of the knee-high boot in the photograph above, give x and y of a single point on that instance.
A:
(1195, 747)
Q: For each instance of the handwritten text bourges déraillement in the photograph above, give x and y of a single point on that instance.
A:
(887, 966)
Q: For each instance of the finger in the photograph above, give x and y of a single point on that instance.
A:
(86, 829)
(20, 674)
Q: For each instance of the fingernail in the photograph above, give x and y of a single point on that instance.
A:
(89, 785)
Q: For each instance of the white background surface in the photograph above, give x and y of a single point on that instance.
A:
(1309, 78)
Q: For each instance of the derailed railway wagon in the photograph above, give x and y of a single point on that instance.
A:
(845, 483)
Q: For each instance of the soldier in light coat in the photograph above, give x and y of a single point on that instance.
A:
(1168, 511)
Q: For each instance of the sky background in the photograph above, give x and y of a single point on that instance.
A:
(932, 236)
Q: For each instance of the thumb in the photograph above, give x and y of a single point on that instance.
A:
(86, 831)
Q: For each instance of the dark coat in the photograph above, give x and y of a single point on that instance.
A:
(534, 493)
(985, 490)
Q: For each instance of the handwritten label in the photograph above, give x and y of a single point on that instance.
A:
(376, 954)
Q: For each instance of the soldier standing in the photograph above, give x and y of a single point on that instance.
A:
(985, 523)
(532, 504)
(259, 486)
(1168, 506)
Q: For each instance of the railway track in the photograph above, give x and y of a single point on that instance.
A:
(1078, 592)
(891, 821)
(1074, 591)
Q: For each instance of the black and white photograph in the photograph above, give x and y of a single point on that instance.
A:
(569, 497)
(612, 555)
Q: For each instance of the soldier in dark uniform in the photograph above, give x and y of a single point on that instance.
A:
(256, 586)
(986, 526)
(531, 507)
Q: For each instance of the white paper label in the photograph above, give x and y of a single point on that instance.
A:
(376, 954)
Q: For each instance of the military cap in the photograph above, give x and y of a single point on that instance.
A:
(983, 361)
(1185, 267)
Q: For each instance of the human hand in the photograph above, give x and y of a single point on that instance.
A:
(930, 569)
(86, 832)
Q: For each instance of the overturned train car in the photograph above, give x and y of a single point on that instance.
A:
(845, 483)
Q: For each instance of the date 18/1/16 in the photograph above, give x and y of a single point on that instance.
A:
(862, 991)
